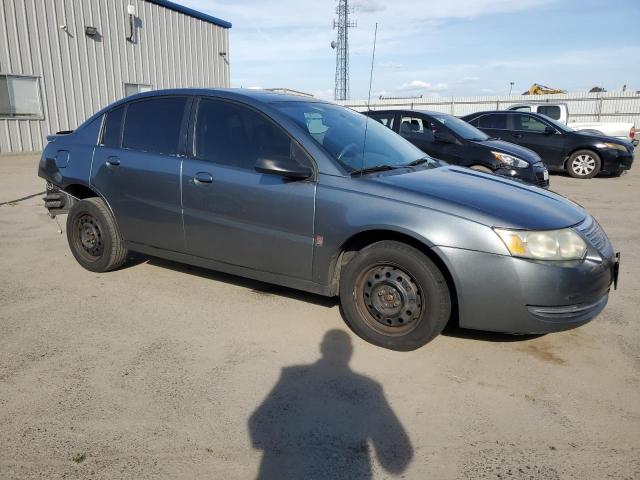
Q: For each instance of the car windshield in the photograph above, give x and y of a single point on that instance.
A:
(341, 132)
(462, 128)
(560, 126)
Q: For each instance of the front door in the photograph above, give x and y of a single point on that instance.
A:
(531, 132)
(136, 167)
(234, 214)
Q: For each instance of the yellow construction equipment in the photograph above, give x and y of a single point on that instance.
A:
(537, 89)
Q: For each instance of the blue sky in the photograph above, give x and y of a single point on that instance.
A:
(435, 47)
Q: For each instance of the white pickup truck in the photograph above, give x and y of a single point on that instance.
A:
(560, 112)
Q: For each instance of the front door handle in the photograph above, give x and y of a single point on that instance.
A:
(113, 161)
(517, 135)
(202, 177)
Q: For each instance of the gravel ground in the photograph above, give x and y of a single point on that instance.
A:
(164, 371)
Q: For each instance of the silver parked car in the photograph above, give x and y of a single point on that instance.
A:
(314, 196)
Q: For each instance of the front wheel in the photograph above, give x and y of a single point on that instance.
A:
(584, 164)
(394, 296)
(93, 236)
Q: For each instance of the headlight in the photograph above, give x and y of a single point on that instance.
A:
(562, 244)
(510, 160)
(614, 146)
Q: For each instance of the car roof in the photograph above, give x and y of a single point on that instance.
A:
(260, 95)
(248, 95)
(409, 111)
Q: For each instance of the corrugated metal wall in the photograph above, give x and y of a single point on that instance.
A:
(79, 75)
(583, 107)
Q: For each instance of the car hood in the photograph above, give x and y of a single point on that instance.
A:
(512, 149)
(484, 198)
(604, 138)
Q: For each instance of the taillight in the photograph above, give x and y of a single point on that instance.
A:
(632, 133)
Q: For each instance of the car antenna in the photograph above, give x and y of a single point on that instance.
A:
(366, 123)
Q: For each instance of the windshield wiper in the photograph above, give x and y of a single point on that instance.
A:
(376, 168)
(419, 161)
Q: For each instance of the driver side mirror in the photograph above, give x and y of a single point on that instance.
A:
(549, 130)
(284, 167)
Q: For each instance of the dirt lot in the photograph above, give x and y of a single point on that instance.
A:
(164, 371)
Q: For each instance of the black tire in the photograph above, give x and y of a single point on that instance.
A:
(584, 164)
(419, 303)
(617, 173)
(93, 236)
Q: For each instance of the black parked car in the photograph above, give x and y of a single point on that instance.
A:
(448, 138)
(580, 154)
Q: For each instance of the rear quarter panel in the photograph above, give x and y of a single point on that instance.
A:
(67, 159)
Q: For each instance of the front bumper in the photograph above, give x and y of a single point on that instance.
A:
(514, 295)
(615, 160)
(533, 175)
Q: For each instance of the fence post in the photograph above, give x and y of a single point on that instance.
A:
(599, 106)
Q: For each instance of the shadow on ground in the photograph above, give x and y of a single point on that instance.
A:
(262, 288)
(323, 420)
(255, 286)
(453, 330)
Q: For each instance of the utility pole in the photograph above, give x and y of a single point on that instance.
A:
(342, 50)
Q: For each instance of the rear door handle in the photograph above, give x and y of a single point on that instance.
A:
(517, 135)
(202, 177)
(113, 161)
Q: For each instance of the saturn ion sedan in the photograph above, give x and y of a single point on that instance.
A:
(316, 197)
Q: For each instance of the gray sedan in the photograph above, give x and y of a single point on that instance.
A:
(314, 196)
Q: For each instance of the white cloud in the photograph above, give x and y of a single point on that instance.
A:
(368, 6)
(421, 85)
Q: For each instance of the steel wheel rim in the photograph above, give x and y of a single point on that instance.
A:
(583, 164)
(389, 299)
(88, 238)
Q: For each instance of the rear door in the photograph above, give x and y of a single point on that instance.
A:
(495, 125)
(234, 214)
(136, 168)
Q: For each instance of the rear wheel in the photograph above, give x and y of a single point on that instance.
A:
(394, 296)
(93, 236)
(584, 164)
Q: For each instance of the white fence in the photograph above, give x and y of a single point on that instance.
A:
(583, 107)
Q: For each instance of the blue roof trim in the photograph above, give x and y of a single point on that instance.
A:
(192, 13)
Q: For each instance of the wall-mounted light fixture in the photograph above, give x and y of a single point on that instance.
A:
(90, 31)
(224, 57)
(131, 27)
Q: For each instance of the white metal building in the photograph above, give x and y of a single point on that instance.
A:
(62, 60)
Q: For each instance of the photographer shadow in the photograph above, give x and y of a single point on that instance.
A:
(320, 420)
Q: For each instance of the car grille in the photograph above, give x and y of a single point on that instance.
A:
(596, 236)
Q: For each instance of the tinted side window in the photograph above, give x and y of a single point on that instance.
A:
(528, 123)
(551, 111)
(496, 120)
(230, 134)
(416, 128)
(386, 120)
(112, 131)
(153, 125)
